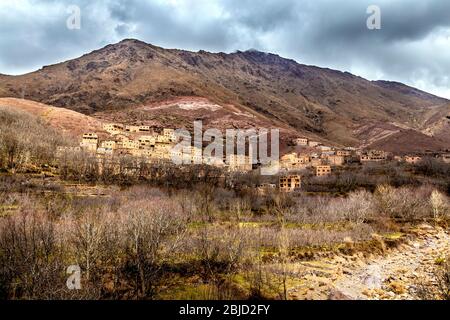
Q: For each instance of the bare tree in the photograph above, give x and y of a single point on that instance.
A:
(30, 256)
(151, 229)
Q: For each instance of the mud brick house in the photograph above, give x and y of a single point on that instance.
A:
(412, 159)
(109, 144)
(113, 128)
(169, 135)
(130, 144)
(343, 153)
(336, 160)
(144, 129)
(301, 141)
(323, 171)
(89, 142)
(147, 141)
(290, 183)
(373, 156)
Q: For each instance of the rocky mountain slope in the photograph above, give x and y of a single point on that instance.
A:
(134, 77)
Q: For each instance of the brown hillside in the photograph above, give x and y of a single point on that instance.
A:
(311, 101)
(67, 121)
(409, 141)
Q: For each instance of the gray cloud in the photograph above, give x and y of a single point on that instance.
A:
(412, 46)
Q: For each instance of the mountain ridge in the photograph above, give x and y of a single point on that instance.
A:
(305, 100)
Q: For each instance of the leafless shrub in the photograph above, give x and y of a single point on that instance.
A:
(404, 203)
(314, 237)
(358, 206)
(284, 248)
(257, 275)
(240, 207)
(86, 238)
(439, 205)
(30, 259)
(204, 197)
(312, 210)
(432, 167)
(220, 251)
(141, 192)
(187, 204)
(152, 230)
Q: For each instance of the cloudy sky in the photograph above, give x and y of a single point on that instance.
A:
(412, 46)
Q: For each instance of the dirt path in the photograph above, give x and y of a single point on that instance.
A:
(393, 277)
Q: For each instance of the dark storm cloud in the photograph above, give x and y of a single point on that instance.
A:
(172, 25)
(411, 46)
(34, 33)
(263, 16)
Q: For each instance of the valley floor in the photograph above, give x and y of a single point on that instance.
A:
(217, 244)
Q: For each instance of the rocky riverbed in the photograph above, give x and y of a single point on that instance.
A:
(402, 273)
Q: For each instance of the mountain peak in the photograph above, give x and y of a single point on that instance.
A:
(253, 50)
(135, 43)
(132, 41)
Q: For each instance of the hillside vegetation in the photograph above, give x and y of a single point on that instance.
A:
(26, 141)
